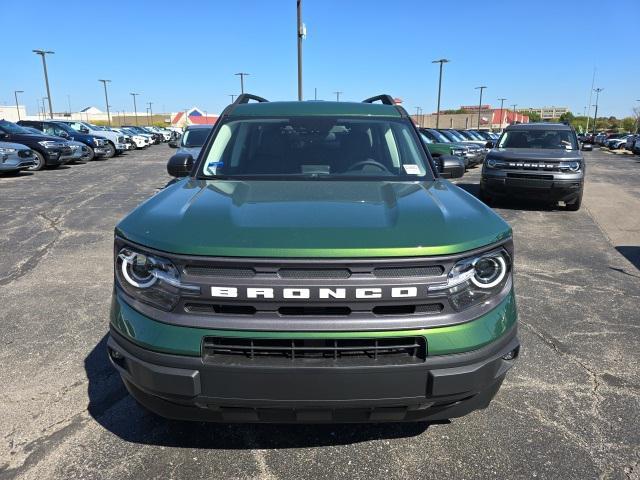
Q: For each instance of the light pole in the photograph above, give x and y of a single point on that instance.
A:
(301, 35)
(515, 115)
(150, 112)
(135, 107)
(15, 93)
(441, 62)
(106, 98)
(501, 117)
(315, 93)
(480, 104)
(638, 119)
(69, 104)
(242, 75)
(43, 53)
(233, 96)
(44, 111)
(337, 96)
(595, 113)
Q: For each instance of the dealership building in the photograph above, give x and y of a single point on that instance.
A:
(467, 117)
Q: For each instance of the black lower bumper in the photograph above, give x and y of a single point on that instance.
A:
(188, 388)
(543, 189)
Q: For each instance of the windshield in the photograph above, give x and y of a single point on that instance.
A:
(316, 147)
(548, 139)
(452, 137)
(9, 127)
(437, 136)
(195, 137)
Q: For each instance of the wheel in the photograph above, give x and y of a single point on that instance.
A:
(90, 156)
(111, 150)
(40, 163)
(575, 206)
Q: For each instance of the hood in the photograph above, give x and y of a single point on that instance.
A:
(313, 219)
(535, 154)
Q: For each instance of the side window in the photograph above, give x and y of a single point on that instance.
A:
(49, 130)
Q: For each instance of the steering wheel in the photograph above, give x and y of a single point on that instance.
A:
(364, 163)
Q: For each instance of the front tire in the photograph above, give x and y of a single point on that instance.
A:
(40, 162)
(111, 150)
(575, 206)
(91, 155)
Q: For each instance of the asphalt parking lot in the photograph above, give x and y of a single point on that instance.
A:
(569, 409)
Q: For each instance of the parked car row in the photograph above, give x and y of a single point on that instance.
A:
(469, 145)
(614, 141)
(36, 144)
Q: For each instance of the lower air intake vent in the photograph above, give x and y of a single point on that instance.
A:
(358, 351)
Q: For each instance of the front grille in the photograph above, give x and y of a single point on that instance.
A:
(364, 351)
(314, 273)
(529, 176)
(220, 272)
(399, 272)
(120, 139)
(25, 153)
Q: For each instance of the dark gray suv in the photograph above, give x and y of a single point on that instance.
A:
(535, 160)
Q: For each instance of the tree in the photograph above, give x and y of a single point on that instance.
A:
(567, 117)
(628, 124)
(533, 116)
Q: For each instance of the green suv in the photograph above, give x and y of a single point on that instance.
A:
(312, 265)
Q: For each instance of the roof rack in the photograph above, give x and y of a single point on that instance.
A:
(385, 99)
(245, 97)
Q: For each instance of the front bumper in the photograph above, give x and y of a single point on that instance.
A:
(13, 163)
(101, 151)
(564, 187)
(185, 385)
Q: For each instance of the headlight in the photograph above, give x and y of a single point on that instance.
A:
(457, 151)
(491, 163)
(475, 280)
(151, 279)
(7, 150)
(49, 144)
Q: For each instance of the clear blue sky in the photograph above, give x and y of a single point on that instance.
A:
(179, 54)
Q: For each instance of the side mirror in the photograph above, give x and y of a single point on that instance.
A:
(587, 147)
(180, 165)
(489, 144)
(450, 166)
(84, 130)
(64, 134)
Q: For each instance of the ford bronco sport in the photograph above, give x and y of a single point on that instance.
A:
(312, 265)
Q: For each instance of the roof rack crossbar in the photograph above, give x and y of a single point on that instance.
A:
(245, 97)
(385, 99)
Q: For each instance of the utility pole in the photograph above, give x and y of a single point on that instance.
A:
(135, 107)
(515, 115)
(302, 33)
(15, 93)
(441, 61)
(337, 96)
(595, 113)
(150, 112)
(501, 117)
(593, 82)
(106, 98)
(480, 104)
(43, 53)
(242, 75)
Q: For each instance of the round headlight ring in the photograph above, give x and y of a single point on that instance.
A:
(574, 166)
(489, 271)
(491, 163)
(128, 270)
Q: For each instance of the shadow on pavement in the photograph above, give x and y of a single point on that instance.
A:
(630, 253)
(112, 407)
(510, 204)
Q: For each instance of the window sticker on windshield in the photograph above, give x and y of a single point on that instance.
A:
(412, 169)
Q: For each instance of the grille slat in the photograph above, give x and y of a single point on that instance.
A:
(396, 350)
(399, 272)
